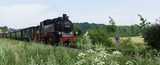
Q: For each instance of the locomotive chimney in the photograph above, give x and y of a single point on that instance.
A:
(64, 16)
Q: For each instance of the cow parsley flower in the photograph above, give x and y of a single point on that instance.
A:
(129, 63)
(81, 54)
(95, 60)
(117, 52)
(91, 51)
(101, 63)
(114, 63)
(80, 62)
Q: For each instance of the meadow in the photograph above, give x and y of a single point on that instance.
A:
(13, 52)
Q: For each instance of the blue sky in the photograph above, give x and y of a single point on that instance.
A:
(26, 13)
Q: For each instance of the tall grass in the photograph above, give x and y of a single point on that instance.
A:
(14, 52)
(30, 53)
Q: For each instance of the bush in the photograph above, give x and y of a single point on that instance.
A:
(80, 32)
(152, 36)
(99, 36)
(127, 44)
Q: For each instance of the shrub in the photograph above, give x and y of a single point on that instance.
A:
(152, 36)
(99, 36)
(127, 43)
(80, 32)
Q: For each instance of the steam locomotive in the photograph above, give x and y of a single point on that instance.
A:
(50, 31)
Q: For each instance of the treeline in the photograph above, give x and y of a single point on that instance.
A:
(123, 31)
(127, 31)
(5, 28)
(86, 26)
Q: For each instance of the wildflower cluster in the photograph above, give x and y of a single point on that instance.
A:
(98, 57)
(129, 63)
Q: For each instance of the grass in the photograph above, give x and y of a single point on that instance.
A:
(133, 45)
(14, 52)
(135, 39)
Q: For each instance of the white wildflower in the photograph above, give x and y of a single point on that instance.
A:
(80, 62)
(91, 51)
(129, 63)
(96, 60)
(108, 54)
(114, 63)
(117, 52)
(101, 63)
(81, 55)
(102, 55)
(103, 52)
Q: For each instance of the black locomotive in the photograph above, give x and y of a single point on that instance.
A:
(50, 31)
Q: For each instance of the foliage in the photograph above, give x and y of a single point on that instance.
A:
(112, 30)
(80, 32)
(86, 26)
(126, 31)
(99, 36)
(127, 44)
(151, 36)
(5, 28)
(111, 21)
(123, 31)
(144, 24)
(151, 33)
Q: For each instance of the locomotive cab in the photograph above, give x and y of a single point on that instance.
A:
(47, 26)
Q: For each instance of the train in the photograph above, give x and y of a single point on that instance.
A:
(50, 31)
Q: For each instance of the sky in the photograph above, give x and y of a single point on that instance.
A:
(26, 13)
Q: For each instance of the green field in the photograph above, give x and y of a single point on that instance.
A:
(136, 39)
(14, 52)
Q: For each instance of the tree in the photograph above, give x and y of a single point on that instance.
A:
(151, 36)
(99, 36)
(144, 24)
(76, 28)
(157, 20)
(151, 33)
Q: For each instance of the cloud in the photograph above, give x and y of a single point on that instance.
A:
(22, 9)
(22, 16)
